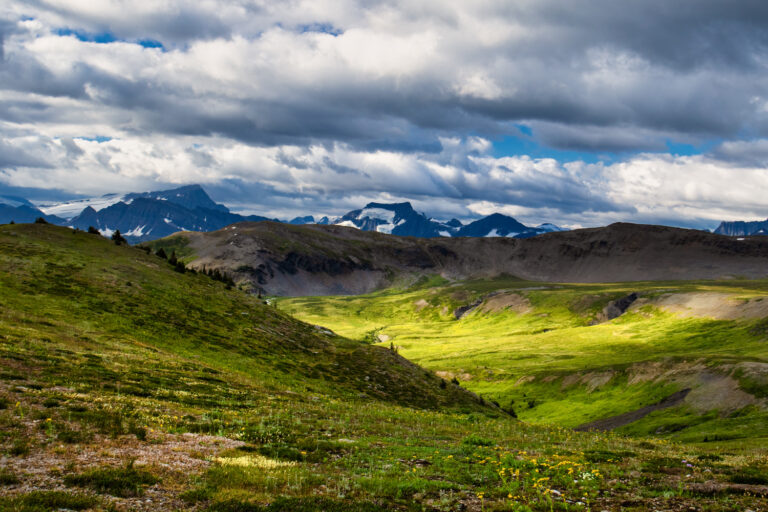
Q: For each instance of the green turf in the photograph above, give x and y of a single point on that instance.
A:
(108, 354)
(548, 363)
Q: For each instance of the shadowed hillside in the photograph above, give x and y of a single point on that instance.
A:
(333, 260)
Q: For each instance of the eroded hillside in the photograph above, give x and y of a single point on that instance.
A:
(286, 260)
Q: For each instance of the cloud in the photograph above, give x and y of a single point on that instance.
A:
(320, 104)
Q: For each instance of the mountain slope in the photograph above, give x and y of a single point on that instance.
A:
(397, 219)
(18, 209)
(149, 215)
(123, 298)
(496, 225)
(148, 219)
(334, 260)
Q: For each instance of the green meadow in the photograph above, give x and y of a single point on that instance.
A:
(543, 351)
(128, 384)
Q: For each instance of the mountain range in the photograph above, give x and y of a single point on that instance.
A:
(743, 228)
(148, 216)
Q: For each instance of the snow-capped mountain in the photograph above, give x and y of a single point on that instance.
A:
(70, 209)
(148, 215)
(743, 228)
(548, 227)
(309, 219)
(396, 219)
(401, 219)
(18, 209)
(151, 215)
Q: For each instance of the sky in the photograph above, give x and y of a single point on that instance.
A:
(579, 112)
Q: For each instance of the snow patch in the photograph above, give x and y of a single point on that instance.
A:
(72, 209)
(444, 233)
(106, 232)
(492, 233)
(385, 228)
(549, 227)
(347, 223)
(378, 213)
(167, 220)
(11, 202)
(137, 231)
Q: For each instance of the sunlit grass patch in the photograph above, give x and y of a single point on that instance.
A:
(253, 461)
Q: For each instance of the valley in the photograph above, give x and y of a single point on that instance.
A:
(554, 354)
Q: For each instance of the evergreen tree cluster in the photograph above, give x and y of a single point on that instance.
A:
(118, 238)
(179, 266)
(218, 275)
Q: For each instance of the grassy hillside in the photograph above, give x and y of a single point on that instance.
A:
(125, 385)
(547, 352)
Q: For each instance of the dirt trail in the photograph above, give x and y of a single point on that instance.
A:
(630, 417)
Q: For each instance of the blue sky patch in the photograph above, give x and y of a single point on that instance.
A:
(106, 38)
(98, 138)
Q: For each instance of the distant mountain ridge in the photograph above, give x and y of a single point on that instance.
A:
(743, 228)
(402, 220)
(151, 215)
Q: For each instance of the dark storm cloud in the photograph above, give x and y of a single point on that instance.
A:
(380, 87)
(685, 68)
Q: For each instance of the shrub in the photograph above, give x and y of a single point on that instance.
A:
(40, 220)
(752, 475)
(118, 238)
(121, 482)
(19, 448)
(44, 501)
(475, 440)
(8, 478)
(71, 436)
(93, 231)
(50, 402)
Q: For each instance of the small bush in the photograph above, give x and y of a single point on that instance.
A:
(122, 482)
(118, 238)
(71, 436)
(44, 501)
(752, 475)
(40, 220)
(50, 402)
(607, 455)
(284, 504)
(19, 448)
(93, 231)
(196, 495)
(8, 478)
(476, 440)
